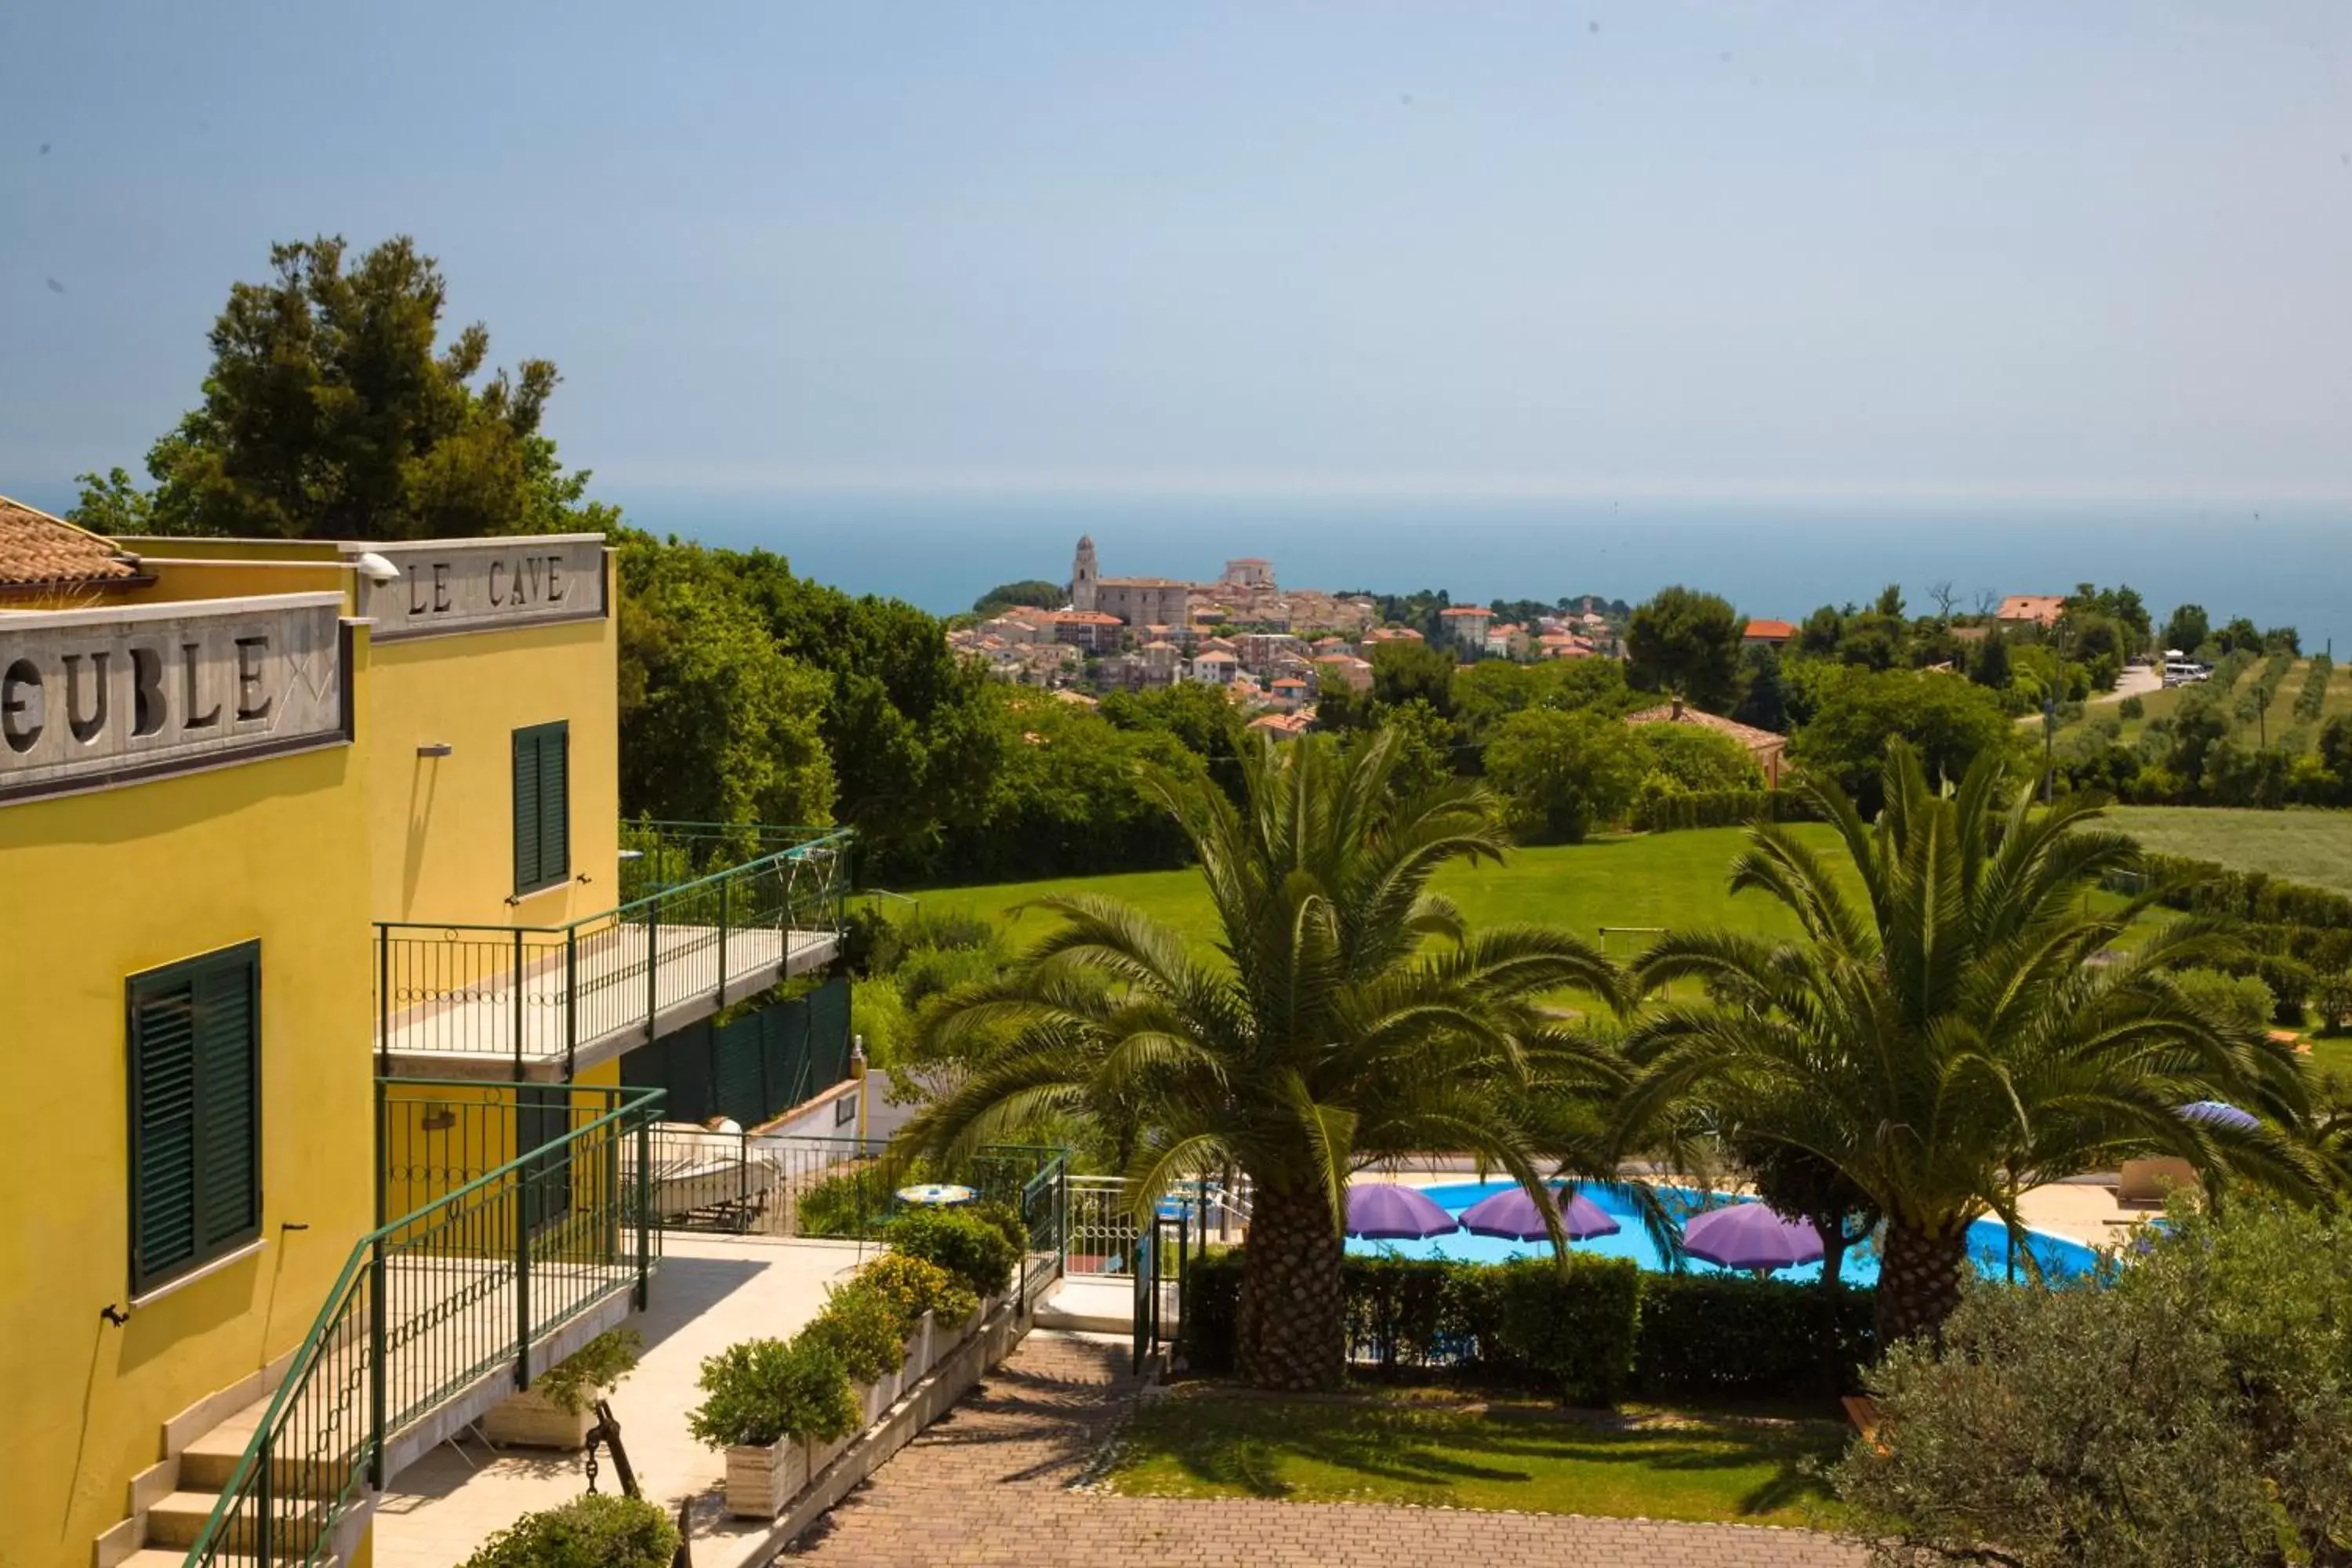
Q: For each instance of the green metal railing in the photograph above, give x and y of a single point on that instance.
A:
(659, 855)
(539, 994)
(430, 1304)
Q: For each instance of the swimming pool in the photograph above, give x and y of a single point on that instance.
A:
(1988, 1240)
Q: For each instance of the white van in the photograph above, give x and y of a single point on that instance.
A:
(2184, 672)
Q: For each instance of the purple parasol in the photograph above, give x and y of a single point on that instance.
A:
(2217, 1113)
(1513, 1215)
(1751, 1236)
(1383, 1211)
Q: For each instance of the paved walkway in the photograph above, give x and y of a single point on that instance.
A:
(991, 1485)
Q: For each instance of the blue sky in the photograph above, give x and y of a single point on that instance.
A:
(2089, 250)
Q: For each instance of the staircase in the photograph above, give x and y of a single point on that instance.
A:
(435, 1318)
(208, 1466)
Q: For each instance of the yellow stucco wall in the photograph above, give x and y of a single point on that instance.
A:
(94, 888)
(444, 838)
(238, 578)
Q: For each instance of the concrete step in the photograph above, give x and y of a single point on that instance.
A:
(178, 1520)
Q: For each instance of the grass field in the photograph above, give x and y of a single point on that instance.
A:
(1205, 1442)
(1650, 879)
(2310, 846)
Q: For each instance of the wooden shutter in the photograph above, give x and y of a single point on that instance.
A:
(555, 803)
(542, 807)
(195, 1113)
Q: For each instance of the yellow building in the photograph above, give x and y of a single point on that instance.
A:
(319, 969)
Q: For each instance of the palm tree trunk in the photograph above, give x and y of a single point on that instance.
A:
(1919, 1277)
(1290, 1335)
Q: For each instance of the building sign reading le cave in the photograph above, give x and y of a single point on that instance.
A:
(483, 585)
(92, 699)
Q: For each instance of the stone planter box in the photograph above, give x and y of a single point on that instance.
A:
(761, 1480)
(530, 1420)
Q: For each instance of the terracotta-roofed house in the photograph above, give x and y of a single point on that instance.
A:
(1096, 631)
(1765, 746)
(2031, 609)
(1343, 669)
(1214, 667)
(1771, 634)
(48, 559)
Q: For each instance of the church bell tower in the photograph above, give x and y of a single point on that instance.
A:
(1082, 574)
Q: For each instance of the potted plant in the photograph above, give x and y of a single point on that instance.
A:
(929, 1302)
(557, 1409)
(975, 1246)
(599, 1531)
(781, 1411)
(864, 1330)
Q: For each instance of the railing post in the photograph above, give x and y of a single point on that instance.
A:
(517, 1016)
(571, 998)
(382, 1004)
(376, 1343)
(522, 1259)
(264, 1527)
(726, 890)
(645, 1206)
(653, 965)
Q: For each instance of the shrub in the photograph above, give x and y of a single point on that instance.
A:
(2131, 709)
(2243, 999)
(913, 1286)
(1726, 1336)
(2333, 997)
(852, 1205)
(2193, 1410)
(862, 1330)
(1005, 1217)
(1664, 811)
(1575, 1324)
(967, 1246)
(599, 1531)
(571, 1384)
(928, 972)
(1710, 1335)
(762, 1391)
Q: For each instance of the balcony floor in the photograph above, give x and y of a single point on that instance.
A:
(472, 1033)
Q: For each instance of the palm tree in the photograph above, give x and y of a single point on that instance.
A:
(1963, 1030)
(1349, 1015)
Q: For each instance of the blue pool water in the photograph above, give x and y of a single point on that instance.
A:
(1988, 1240)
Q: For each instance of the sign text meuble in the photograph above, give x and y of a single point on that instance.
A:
(476, 586)
(94, 699)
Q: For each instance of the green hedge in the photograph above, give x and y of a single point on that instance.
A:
(1718, 808)
(2208, 887)
(1602, 1329)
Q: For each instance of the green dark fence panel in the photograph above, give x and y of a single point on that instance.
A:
(753, 1067)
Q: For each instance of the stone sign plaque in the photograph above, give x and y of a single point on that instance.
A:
(479, 585)
(94, 699)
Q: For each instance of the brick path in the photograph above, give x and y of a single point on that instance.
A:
(990, 1485)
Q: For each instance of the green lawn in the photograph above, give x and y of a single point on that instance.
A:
(2308, 847)
(1207, 1441)
(1647, 879)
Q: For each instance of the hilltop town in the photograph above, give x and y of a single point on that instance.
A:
(1272, 649)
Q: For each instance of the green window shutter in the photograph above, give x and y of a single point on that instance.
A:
(542, 806)
(526, 810)
(555, 803)
(195, 1113)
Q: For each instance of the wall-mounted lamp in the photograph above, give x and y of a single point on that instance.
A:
(376, 569)
(436, 749)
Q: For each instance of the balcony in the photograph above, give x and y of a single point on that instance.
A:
(714, 914)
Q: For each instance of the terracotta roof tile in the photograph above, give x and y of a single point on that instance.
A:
(39, 551)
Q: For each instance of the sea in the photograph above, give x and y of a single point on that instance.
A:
(2278, 563)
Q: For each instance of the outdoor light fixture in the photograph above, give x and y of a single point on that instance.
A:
(436, 749)
(376, 569)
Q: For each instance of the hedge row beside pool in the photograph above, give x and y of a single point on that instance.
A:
(1596, 1333)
